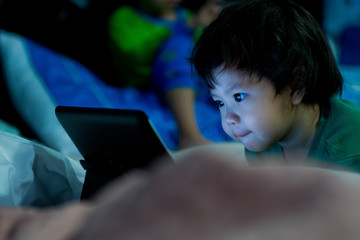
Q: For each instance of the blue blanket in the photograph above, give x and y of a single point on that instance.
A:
(71, 84)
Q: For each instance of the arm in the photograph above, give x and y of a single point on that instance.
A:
(182, 102)
(206, 195)
(48, 223)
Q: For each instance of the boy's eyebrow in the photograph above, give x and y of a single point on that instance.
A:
(235, 85)
(228, 90)
(212, 93)
(242, 82)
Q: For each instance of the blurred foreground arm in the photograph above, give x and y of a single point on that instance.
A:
(206, 196)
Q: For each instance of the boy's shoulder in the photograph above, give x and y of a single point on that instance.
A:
(342, 130)
(343, 120)
(343, 111)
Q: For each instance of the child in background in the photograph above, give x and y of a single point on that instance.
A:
(272, 73)
(137, 34)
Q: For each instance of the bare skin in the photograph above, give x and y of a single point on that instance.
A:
(181, 101)
(207, 195)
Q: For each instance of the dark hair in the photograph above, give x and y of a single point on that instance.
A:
(276, 39)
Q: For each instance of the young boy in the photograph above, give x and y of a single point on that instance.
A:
(272, 73)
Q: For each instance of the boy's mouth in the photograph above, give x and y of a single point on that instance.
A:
(241, 134)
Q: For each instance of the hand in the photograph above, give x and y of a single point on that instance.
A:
(206, 14)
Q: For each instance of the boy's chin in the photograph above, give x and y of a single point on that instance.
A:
(255, 147)
(252, 143)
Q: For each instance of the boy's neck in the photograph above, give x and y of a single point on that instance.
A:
(296, 147)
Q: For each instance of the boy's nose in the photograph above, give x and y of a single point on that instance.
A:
(232, 118)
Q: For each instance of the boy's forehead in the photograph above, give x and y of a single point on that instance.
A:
(232, 74)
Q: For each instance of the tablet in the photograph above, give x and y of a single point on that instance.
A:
(112, 142)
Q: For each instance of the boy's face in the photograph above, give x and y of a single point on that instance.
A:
(251, 111)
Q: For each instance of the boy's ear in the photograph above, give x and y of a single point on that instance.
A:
(297, 96)
(297, 88)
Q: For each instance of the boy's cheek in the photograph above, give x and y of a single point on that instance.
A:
(230, 134)
(226, 128)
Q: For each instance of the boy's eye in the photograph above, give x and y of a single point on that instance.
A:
(239, 96)
(219, 103)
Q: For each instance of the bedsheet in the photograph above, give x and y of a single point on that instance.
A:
(32, 174)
